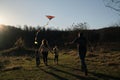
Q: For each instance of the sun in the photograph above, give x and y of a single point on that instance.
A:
(1, 28)
(1, 21)
(1, 24)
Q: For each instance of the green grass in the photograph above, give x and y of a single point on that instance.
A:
(101, 66)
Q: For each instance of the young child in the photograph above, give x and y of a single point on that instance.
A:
(55, 50)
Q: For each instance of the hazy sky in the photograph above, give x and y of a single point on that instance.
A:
(66, 12)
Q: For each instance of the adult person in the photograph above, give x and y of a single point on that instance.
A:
(44, 48)
(82, 49)
(37, 54)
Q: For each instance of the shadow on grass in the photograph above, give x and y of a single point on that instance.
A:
(70, 67)
(65, 72)
(104, 76)
(55, 75)
(99, 75)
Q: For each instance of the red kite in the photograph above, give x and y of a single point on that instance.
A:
(50, 17)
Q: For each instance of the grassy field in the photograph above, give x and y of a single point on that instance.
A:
(101, 66)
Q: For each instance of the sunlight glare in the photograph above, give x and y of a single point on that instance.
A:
(1, 28)
(1, 21)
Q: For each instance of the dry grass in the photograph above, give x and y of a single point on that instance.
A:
(101, 66)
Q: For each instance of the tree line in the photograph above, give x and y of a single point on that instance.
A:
(11, 36)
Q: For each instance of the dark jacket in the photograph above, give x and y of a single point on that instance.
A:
(81, 43)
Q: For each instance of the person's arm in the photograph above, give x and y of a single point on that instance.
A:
(39, 50)
(72, 42)
(75, 40)
(50, 49)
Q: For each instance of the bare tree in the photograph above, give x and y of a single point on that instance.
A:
(80, 26)
(113, 4)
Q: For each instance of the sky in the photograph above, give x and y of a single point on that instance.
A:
(66, 12)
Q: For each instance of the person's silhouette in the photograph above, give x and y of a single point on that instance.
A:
(55, 50)
(82, 49)
(44, 48)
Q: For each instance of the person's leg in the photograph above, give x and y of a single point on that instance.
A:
(82, 61)
(83, 64)
(37, 61)
(54, 58)
(46, 58)
(43, 57)
(57, 59)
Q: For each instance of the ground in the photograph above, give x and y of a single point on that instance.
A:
(101, 66)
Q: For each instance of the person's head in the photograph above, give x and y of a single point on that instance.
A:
(44, 42)
(80, 34)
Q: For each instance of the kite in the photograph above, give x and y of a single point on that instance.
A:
(50, 18)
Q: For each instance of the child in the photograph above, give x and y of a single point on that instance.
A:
(55, 50)
(44, 48)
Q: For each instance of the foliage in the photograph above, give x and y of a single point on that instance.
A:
(18, 37)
